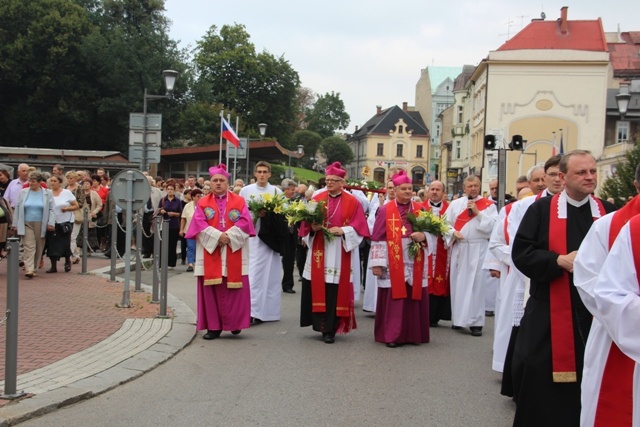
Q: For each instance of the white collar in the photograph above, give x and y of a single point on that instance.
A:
(563, 199)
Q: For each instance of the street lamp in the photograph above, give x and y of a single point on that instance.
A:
(299, 152)
(622, 99)
(169, 77)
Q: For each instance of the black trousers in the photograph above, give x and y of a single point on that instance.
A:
(288, 260)
(147, 242)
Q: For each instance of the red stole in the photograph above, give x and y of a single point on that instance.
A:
(615, 402)
(394, 254)
(562, 339)
(438, 275)
(464, 217)
(344, 306)
(507, 211)
(213, 261)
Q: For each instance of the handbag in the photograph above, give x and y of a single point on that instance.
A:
(64, 227)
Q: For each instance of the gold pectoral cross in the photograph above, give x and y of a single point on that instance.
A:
(404, 230)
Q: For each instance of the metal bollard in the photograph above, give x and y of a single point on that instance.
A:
(114, 250)
(85, 239)
(157, 221)
(165, 273)
(11, 352)
(138, 287)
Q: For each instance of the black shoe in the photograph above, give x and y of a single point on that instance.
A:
(434, 324)
(52, 270)
(183, 262)
(489, 313)
(255, 321)
(455, 328)
(211, 335)
(107, 254)
(67, 266)
(476, 331)
(236, 332)
(289, 291)
(392, 345)
(189, 269)
(328, 338)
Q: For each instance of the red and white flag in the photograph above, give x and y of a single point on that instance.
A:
(229, 134)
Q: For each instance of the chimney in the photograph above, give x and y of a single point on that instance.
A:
(356, 129)
(404, 107)
(564, 27)
(378, 109)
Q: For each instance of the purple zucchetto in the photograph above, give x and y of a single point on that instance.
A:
(220, 169)
(335, 169)
(401, 178)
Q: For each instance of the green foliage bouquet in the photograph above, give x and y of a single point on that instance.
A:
(313, 212)
(266, 203)
(426, 222)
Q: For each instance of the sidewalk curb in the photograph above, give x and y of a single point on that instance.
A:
(180, 335)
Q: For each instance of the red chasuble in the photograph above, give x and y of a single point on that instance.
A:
(563, 356)
(615, 401)
(438, 275)
(344, 306)
(464, 217)
(213, 261)
(394, 236)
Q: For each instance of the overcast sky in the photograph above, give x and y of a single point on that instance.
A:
(372, 51)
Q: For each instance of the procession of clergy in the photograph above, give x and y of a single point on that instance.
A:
(566, 314)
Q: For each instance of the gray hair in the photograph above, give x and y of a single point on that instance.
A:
(37, 176)
(288, 182)
(532, 169)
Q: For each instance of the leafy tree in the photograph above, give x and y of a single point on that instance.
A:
(327, 115)
(305, 98)
(259, 87)
(334, 149)
(620, 186)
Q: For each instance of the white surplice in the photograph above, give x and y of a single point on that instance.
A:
(265, 268)
(611, 294)
(468, 279)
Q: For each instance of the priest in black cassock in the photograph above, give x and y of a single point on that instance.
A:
(549, 350)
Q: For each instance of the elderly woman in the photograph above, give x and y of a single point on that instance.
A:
(93, 206)
(171, 208)
(59, 240)
(78, 192)
(33, 217)
(5, 179)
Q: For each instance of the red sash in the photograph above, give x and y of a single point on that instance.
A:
(507, 211)
(395, 257)
(213, 261)
(615, 401)
(438, 275)
(464, 217)
(344, 306)
(562, 339)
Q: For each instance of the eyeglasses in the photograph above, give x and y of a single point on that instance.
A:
(262, 171)
(332, 180)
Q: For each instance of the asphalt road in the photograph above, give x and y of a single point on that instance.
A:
(278, 374)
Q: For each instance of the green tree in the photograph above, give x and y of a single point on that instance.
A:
(327, 115)
(260, 87)
(334, 149)
(620, 186)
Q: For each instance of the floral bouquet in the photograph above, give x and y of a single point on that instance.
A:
(267, 203)
(426, 222)
(368, 187)
(313, 212)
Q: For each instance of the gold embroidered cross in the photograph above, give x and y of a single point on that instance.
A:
(439, 279)
(394, 227)
(317, 256)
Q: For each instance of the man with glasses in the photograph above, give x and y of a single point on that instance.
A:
(327, 285)
(265, 267)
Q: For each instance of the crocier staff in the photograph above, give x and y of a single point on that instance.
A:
(327, 280)
(402, 312)
(221, 225)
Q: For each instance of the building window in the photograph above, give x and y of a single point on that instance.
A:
(380, 151)
(399, 149)
(400, 129)
(622, 132)
(437, 153)
(460, 114)
(418, 150)
(458, 153)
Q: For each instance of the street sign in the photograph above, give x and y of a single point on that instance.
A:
(242, 151)
(154, 137)
(153, 153)
(136, 121)
(139, 193)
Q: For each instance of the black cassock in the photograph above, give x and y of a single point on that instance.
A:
(540, 401)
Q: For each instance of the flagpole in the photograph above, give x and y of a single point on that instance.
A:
(220, 144)
(226, 147)
(553, 150)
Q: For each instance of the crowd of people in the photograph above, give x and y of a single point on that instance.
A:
(564, 317)
(556, 267)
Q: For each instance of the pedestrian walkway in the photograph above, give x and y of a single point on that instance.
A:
(74, 342)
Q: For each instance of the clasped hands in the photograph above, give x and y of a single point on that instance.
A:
(223, 239)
